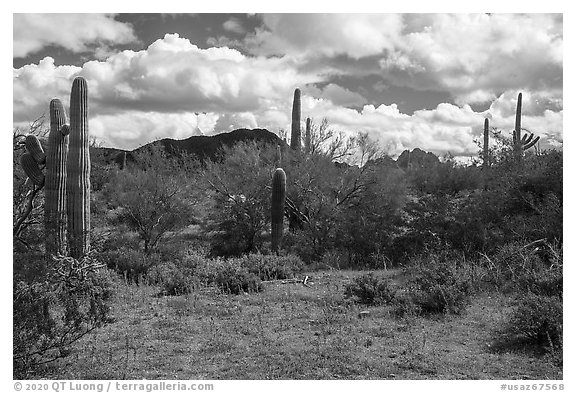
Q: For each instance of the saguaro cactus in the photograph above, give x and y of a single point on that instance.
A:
(520, 142)
(278, 201)
(295, 135)
(308, 136)
(78, 173)
(55, 192)
(486, 151)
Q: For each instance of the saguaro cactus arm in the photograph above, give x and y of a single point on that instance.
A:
(78, 172)
(308, 135)
(32, 169)
(34, 147)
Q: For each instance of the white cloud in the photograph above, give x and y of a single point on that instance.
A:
(128, 130)
(474, 57)
(75, 32)
(355, 35)
(477, 56)
(234, 25)
(175, 89)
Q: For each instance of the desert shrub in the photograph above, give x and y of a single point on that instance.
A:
(241, 203)
(232, 277)
(369, 289)
(536, 321)
(132, 264)
(438, 284)
(171, 279)
(55, 303)
(534, 267)
(272, 267)
(229, 275)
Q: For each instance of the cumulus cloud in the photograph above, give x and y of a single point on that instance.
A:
(337, 94)
(75, 32)
(354, 35)
(172, 76)
(175, 89)
(476, 55)
(234, 25)
(128, 130)
(446, 128)
(473, 56)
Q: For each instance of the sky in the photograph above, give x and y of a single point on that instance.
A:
(408, 80)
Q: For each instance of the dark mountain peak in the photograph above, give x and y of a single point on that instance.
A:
(202, 146)
(383, 162)
(417, 158)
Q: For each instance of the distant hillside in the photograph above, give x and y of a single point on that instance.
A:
(207, 147)
(203, 147)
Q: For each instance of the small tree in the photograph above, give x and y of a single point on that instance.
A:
(152, 200)
(238, 185)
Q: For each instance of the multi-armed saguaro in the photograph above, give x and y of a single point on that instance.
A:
(295, 135)
(78, 173)
(277, 211)
(67, 179)
(520, 142)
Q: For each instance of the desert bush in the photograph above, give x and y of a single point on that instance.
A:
(152, 200)
(172, 280)
(369, 289)
(229, 275)
(272, 267)
(536, 321)
(438, 284)
(535, 267)
(238, 185)
(55, 303)
(234, 278)
(130, 263)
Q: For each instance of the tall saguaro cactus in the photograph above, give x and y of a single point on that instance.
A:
(78, 173)
(295, 135)
(486, 151)
(308, 136)
(55, 189)
(278, 201)
(520, 142)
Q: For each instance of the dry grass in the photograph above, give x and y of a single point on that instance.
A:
(292, 332)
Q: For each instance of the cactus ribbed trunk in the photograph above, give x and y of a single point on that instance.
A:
(308, 136)
(295, 136)
(78, 173)
(486, 152)
(278, 201)
(516, 139)
(55, 192)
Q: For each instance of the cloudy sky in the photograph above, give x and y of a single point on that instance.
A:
(409, 80)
